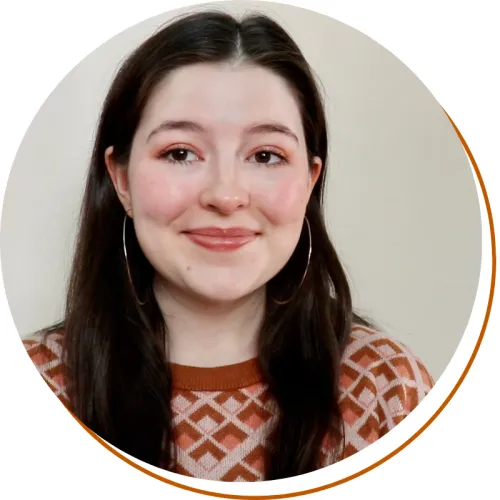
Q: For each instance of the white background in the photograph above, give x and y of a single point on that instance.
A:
(450, 46)
(400, 201)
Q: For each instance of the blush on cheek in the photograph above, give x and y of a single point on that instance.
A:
(159, 196)
(284, 202)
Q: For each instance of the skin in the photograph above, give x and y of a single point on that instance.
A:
(216, 174)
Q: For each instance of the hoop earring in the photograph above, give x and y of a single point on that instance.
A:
(126, 264)
(279, 302)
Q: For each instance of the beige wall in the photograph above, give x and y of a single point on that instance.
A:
(402, 207)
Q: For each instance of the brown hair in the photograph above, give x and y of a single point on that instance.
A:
(118, 376)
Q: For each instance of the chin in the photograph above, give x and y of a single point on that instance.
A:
(219, 292)
(217, 295)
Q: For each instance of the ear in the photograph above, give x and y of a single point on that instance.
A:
(315, 171)
(119, 177)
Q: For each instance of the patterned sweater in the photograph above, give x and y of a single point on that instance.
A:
(222, 415)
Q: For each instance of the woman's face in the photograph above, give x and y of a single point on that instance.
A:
(218, 179)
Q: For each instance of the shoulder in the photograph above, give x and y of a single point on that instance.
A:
(46, 352)
(393, 377)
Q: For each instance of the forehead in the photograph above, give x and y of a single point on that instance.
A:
(236, 95)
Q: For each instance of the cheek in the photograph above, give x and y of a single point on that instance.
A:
(161, 196)
(284, 201)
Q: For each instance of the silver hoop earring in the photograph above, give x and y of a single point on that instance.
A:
(279, 302)
(126, 263)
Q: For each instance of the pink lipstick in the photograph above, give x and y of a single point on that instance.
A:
(221, 239)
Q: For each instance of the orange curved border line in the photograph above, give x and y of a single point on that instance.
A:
(406, 443)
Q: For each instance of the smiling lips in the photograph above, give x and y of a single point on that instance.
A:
(221, 239)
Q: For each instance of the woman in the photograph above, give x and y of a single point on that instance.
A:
(208, 326)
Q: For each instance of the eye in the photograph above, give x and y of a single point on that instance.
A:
(268, 157)
(179, 155)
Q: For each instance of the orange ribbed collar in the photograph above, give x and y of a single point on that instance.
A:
(220, 378)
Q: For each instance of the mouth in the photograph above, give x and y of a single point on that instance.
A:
(221, 239)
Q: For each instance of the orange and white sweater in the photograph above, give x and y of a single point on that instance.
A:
(222, 415)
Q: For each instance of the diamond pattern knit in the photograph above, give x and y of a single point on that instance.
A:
(223, 415)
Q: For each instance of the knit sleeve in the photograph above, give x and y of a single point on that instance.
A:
(381, 382)
(46, 354)
(401, 379)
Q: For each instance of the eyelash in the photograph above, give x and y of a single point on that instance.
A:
(164, 155)
(178, 147)
(283, 160)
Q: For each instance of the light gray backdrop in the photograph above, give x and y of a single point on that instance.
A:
(402, 207)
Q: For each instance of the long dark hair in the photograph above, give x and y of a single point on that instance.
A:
(118, 376)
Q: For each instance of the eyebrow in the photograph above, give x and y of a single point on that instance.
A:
(272, 128)
(186, 125)
(190, 126)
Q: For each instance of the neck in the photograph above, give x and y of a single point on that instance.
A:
(208, 334)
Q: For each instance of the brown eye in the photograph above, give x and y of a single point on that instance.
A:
(179, 155)
(268, 158)
(263, 157)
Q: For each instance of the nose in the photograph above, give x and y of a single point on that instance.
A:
(225, 193)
